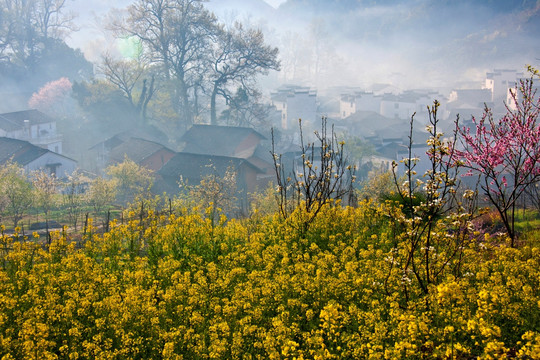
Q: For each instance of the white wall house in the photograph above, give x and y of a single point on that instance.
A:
(397, 106)
(359, 101)
(519, 96)
(499, 81)
(347, 105)
(404, 105)
(32, 126)
(295, 103)
(33, 157)
(53, 163)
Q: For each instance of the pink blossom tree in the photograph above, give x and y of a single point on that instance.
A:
(506, 152)
(51, 98)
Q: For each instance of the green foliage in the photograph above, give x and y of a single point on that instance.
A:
(16, 191)
(73, 196)
(104, 103)
(132, 180)
(378, 187)
(99, 194)
(358, 151)
(214, 196)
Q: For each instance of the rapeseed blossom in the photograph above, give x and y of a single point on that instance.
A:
(182, 287)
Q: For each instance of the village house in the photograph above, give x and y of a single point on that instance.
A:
(295, 103)
(495, 94)
(499, 81)
(230, 141)
(398, 105)
(33, 157)
(32, 126)
(469, 100)
(404, 105)
(359, 101)
(146, 153)
(191, 168)
(138, 145)
(519, 96)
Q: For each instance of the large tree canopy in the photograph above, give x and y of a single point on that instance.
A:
(176, 35)
(27, 27)
(199, 57)
(239, 56)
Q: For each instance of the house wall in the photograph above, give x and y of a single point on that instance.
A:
(55, 146)
(500, 81)
(250, 177)
(281, 107)
(397, 109)
(157, 159)
(66, 167)
(42, 135)
(368, 102)
(247, 146)
(303, 105)
(347, 106)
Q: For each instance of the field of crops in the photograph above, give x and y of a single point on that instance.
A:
(184, 287)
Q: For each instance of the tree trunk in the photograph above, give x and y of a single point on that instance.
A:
(213, 115)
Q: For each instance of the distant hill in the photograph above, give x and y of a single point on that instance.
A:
(323, 6)
(440, 14)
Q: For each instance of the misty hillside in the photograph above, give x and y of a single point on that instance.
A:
(332, 6)
(357, 18)
(425, 42)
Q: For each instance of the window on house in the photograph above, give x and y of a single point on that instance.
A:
(52, 168)
(396, 106)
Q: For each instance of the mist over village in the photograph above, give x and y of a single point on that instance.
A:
(285, 179)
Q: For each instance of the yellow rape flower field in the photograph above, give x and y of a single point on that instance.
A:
(183, 287)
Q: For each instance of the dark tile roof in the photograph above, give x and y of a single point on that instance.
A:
(216, 140)
(16, 120)
(110, 143)
(391, 150)
(136, 149)
(21, 152)
(367, 123)
(8, 125)
(147, 133)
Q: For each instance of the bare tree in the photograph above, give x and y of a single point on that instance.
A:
(423, 255)
(322, 174)
(246, 110)
(26, 27)
(52, 20)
